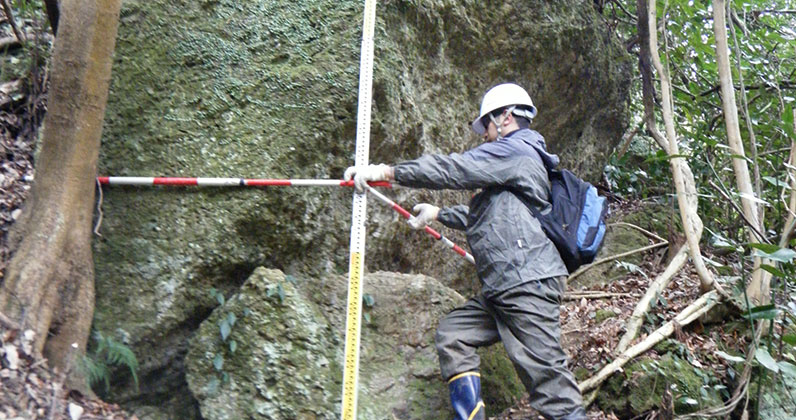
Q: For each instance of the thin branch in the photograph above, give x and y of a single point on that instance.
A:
(679, 166)
(775, 151)
(10, 42)
(774, 12)
(8, 322)
(699, 307)
(735, 206)
(593, 295)
(627, 139)
(784, 84)
(622, 7)
(642, 230)
(584, 268)
(660, 283)
(790, 221)
(10, 17)
(745, 114)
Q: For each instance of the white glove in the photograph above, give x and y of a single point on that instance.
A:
(363, 174)
(426, 213)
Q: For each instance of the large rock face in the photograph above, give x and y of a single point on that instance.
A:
(259, 88)
(287, 360)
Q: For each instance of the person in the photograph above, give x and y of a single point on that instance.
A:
(520, 270)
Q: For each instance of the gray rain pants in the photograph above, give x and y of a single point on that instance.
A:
(526, 319)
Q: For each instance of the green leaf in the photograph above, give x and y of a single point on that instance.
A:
(720, 242)
(231, 318)
(225, 330)
(790, 339)
(776, 182)
(783, 255)
(752, 198)
(368, 300)
(233, 345)
(767, 248)
(787, 121)
(367, 317)
(677, 156)
(737, 156)
(281, 292)
(764, 358)
(762, 312)
(220, 298)
(218, 362)
(773, 270)
(729, 357)
(787, 368)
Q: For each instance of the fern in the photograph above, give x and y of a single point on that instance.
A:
(96, 372)
(108, 352)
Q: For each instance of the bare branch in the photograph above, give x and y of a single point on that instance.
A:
(685, 196)
(642, 307)
(644, 231)
(695, 310)
(760, 236)
(10, 16)
(584, 268)
(593, 295)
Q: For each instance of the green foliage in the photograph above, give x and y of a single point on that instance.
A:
(762, 50)
(106, 354)
(225, 329)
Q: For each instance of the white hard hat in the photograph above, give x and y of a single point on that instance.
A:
(503, 95)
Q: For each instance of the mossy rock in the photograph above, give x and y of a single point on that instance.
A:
(640, 387)
(268, 89)
(287, 358)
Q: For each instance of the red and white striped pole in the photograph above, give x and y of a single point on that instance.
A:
(428, 229)
(264, 182)
(224, 182)
(229, 182)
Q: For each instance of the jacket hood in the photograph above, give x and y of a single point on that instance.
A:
(534, 139)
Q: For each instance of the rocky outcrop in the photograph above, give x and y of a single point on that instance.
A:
(274, 350)
(268, 89)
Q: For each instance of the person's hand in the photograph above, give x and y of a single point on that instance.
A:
(426, 213)
(363, 174)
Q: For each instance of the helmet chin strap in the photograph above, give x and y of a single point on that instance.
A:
(507, 112)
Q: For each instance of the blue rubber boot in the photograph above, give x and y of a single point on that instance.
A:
(466, 396)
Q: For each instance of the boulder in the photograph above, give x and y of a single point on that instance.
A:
(667, 383)
(274, 350)
(268, 89)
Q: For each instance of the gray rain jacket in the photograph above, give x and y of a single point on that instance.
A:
(505, 238)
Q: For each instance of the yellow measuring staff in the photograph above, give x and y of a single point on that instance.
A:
(358, 215)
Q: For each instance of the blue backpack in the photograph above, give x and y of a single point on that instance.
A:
(576, 222)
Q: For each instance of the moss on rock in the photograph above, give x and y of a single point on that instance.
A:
(641, 385)
(268, 89)
(287, 359)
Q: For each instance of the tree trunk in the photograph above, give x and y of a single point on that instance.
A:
(49, 287)
(759, 288)
(686, 198)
